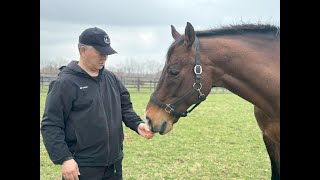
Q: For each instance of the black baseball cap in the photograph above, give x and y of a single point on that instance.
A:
(97, 38)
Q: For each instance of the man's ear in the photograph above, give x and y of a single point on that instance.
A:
(82, 50)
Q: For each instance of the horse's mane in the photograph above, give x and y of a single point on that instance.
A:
(237, 29)
(240, 29)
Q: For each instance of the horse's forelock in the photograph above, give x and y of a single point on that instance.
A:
(176, 43)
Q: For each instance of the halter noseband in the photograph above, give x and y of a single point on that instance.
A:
(170, 108)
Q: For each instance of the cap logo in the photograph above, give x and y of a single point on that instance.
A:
(107, 39)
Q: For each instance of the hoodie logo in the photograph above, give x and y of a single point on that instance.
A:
(83, 87)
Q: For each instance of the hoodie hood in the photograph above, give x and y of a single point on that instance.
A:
(74, 68)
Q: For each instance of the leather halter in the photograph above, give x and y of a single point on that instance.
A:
(170, 108)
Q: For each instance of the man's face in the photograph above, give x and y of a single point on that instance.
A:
(94, 59)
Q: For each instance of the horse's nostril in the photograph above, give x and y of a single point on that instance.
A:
(149, 123)
(163, 128)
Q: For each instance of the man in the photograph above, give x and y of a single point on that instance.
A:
(85, 106)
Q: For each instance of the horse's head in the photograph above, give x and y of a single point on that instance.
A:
(184, 81)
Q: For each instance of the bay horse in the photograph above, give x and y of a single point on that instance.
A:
(245, 59)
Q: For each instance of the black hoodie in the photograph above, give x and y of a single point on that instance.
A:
(83, 117)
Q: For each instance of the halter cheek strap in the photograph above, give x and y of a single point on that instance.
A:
(196, 88)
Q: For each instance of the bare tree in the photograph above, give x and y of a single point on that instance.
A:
(52, 66)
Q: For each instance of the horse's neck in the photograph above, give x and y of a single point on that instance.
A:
(250, 72)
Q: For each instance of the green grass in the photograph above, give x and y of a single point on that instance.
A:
(220, 139)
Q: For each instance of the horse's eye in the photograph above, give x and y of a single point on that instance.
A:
(173, 72)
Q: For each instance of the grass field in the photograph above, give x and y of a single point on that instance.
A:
(219, 140)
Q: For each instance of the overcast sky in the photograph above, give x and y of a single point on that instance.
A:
(140, 29)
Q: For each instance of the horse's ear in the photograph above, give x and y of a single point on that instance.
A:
(189, 35)
(175, 33)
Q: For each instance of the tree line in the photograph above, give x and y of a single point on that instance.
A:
(130, 67)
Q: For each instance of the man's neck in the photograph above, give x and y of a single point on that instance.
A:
(90, 71)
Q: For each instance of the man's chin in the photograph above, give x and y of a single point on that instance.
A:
(100, 66)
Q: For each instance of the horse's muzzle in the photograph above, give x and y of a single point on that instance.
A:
(160, 128)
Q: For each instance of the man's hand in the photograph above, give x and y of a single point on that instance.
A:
(70, 170)
(144, 131)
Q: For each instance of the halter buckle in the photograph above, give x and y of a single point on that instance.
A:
(168, 108)
(197, 69)
(202, 97)
(194, 86)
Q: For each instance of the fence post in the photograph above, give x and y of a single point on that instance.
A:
(138, 86)
(41, 79)
(150, 85)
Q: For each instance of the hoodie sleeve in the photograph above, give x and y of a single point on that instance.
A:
(57, 107)
(129, 116)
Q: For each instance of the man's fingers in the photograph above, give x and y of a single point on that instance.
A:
(71, 176)
(149, 135)
(68, 176)
(145, 127)
(78, 171)
(75, 176)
